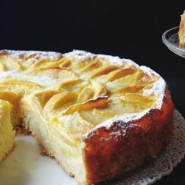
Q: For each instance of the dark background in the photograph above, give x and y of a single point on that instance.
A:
(127, 28)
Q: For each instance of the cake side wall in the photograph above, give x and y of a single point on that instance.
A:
(123, 148)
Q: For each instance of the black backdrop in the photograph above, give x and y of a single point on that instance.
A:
(127, 28)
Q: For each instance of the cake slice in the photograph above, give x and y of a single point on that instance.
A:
(7, 134)
(181, 32)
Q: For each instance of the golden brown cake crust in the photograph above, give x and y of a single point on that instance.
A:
(126, 146)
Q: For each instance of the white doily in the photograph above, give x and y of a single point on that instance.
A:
(164, 165)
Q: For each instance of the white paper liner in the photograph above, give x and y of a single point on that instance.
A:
(165, 163)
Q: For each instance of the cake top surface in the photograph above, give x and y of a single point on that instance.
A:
(80, 91)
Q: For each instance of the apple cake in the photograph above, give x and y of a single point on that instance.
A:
(181, 32)
(98, 116)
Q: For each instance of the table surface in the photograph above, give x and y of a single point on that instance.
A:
(177, 88)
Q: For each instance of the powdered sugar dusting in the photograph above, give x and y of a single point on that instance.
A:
(79, 55)
(43, 81)
(33, 56)
(84, 55)
(157, 89)
(115, 60)
(124, 118)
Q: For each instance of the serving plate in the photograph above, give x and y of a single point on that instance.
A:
(25, 165)
(171, 40)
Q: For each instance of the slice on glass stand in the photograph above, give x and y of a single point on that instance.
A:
(174, 38)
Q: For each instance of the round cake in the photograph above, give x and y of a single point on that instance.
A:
(98, 116)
